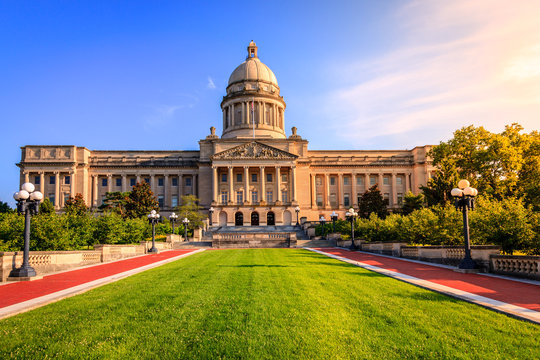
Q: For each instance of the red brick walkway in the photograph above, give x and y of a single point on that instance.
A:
(17, 292)
(509, 291)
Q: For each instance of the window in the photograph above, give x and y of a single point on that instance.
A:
(66, 197)
(37, 180)
(238, 177)
(346, 201)
(174, 181)
(147, 180)
(345, 180)
(224, 197)
(160, 181)
(52, 180)
(118, 181)
(254, 197)
(52, 198)
(284, 196)
(332, 180)
(188, 181)
(400, 199)
(319, 200)
(269, 178)
(333, 202)
(254, 178)
(160, 200)
(399, 180)
(318, 180)
(358, 197)
(104, 182)
(283, 177)
(240, 196)
(132, 181)
(386, 180)
(67, 180)
(223, 178)
(269, 197)
(174, 201)
(103, 198)
(386, 198)
(360, 181)
(372, 180)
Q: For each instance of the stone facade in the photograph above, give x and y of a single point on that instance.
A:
(252, 175)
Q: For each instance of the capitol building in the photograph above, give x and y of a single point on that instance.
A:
(253, 174)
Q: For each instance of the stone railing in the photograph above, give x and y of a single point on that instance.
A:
(522, 266)
(253, 240)
(450, 255)
(45, 262)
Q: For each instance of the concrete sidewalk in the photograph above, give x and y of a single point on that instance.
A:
(17, 297)
(513, 297)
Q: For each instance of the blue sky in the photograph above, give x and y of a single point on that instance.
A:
(354, 74)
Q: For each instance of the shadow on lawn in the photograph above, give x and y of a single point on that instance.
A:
(252, 265)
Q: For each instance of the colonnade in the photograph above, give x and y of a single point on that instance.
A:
(260, 108)
(62, 187)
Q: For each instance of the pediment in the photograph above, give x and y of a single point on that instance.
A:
(254, 150)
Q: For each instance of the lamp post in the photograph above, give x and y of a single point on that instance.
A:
(297, 209)
(27, 204)
(334, 217)
(211, 211)
(185, 222)
(323, 222)
(351, 215)
(464, 200)
(153, 218)
(173, 218)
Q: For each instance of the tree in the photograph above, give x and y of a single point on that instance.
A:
(5, 208)
(75, 205)
(190, 208)
(372, 202)
(115, 202)
(140, 201)
(46, 207)
(412, 202)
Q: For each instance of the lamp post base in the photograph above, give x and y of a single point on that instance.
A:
(153, 250)
(468, 264)
(23, 272)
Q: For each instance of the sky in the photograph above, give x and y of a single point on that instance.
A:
(150, 75)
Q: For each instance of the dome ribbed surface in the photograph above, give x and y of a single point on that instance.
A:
(253, 69)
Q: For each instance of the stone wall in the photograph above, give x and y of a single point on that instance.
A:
(522, 266)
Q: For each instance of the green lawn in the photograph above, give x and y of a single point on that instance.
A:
(264, 303)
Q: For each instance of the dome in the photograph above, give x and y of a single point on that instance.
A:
(253, 69)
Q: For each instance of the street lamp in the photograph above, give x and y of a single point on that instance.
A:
(153, 218)
(351, 215)
(334, 217)
(323, 221)
(185, 222)
(211, 211)
(173, 218)
(464, 200)
(27, 204)
(297, 209)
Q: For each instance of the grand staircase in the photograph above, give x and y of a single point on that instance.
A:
(255, 236)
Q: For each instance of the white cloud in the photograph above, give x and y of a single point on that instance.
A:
(211, 84)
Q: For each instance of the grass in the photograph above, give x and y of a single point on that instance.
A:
(261, 304)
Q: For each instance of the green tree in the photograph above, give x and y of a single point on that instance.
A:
(46, 207)
(140, 201)
(190, 208)
(5, 208)
(412, 202)
(116, 202)
(75, 205)
(372, 202)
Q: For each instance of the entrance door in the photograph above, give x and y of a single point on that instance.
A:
(270, 218)
(239, 219)
(255, 219)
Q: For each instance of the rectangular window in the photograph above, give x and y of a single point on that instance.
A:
(118, 181)
(52, 198)
(400, 199)
(174, 181)
(224, 197)
(160, 181)
(372, 180)
(161, 201)
(283, 177)
(188, 181)
(240, 197)
(346, 201)
(284, 196)
(345, 180)
(319, 200)
(147, 180)
(360, 181)
(386, 198)
(332, 180)
(254, 197)
(333, 202)
(66, 197)
(358, 197)
(269, 178)
(254, 178)
(52, 180)
(104, 182)
(386, 180)
(67, 180)
(37, 180)
(223, 178)
(239, 178)
(103, 198)
(132, 181)
(399, 180)
(269, 197)
(174, 201)
(318, 180)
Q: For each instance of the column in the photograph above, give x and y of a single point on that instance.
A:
(138, 178)
(109, 182)
(153, 183)
(263, 195)
(380, 182)
(95, 190)
(366, 182)
(326, 191)
(72, 183)
(214, 184)
(340, 191)
(261, 119)
(26, 176)
(231, 188)
(278, 184)
(394, 190)
(42, 182)
(56, 189)
(247, 199)
(293, 179)
(313, 190)
(181, 186)
(353, 191)
(166, 192)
